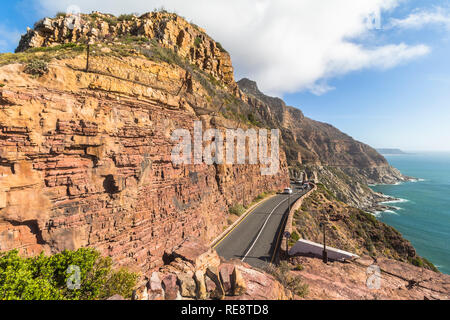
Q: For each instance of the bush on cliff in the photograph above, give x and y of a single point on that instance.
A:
(283, 274)
(237, 210)
(36, 67)
(70, 275)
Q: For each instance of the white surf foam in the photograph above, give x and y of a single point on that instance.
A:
(400, 200)
(390, 212)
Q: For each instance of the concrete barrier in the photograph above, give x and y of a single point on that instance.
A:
(290, 217)
(305, 247)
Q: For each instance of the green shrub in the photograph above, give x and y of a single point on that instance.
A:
(219, 46)
(125, 17)
(47, 277)
(2, 85)
(60, 47)
(197, 42)
(260, 197)
(159, 53)
(36, 67)
(299, 267)
(283, 275)
(111, 20)
(61, 14)
(430, 265)
(252, 119)
(121, 282)
(237, 210)
(295, 236)
(417, 262)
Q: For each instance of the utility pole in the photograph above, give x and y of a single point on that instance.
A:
(324, 224)
(324, 253)
(287, 235)
(289, 203)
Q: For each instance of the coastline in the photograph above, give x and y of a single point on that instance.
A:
(418, 207)
(382, 204)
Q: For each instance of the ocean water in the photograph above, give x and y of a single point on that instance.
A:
(423, 213)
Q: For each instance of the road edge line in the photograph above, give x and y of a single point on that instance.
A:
(262, 229)
(213, 244)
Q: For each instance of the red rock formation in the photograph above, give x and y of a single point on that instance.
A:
(85, 160)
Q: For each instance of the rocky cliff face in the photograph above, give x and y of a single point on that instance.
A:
(85, 157)
(323, 152)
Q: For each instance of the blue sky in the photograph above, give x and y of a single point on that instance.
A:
(388, 86)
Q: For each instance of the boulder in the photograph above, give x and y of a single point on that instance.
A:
(238, 285)
(155, 289)
(169, 284)
(213, 273)
(201, 292)
(225, 272)
(197, 254)
(187, 285)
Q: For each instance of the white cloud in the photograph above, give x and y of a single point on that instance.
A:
(285, 45)
(421, 18)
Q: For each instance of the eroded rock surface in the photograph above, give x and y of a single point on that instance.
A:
(348, 281)
(211, 278)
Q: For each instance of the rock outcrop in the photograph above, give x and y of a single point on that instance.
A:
(193, 271)
(169, 30)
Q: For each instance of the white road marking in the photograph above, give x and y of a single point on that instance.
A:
(260, 231)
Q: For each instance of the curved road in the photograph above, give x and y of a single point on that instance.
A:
(256, 238)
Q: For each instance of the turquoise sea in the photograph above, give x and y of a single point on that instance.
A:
(423, 213)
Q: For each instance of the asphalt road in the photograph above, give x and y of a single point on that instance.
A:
(255, 239)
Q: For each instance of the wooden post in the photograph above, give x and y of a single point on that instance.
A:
(87, 57)
(287, 247)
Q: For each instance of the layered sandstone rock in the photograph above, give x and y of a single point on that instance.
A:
(85, 160)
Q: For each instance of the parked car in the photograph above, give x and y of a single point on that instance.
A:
(287, 191)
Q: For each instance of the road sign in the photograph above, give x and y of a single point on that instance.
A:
(287, 234)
